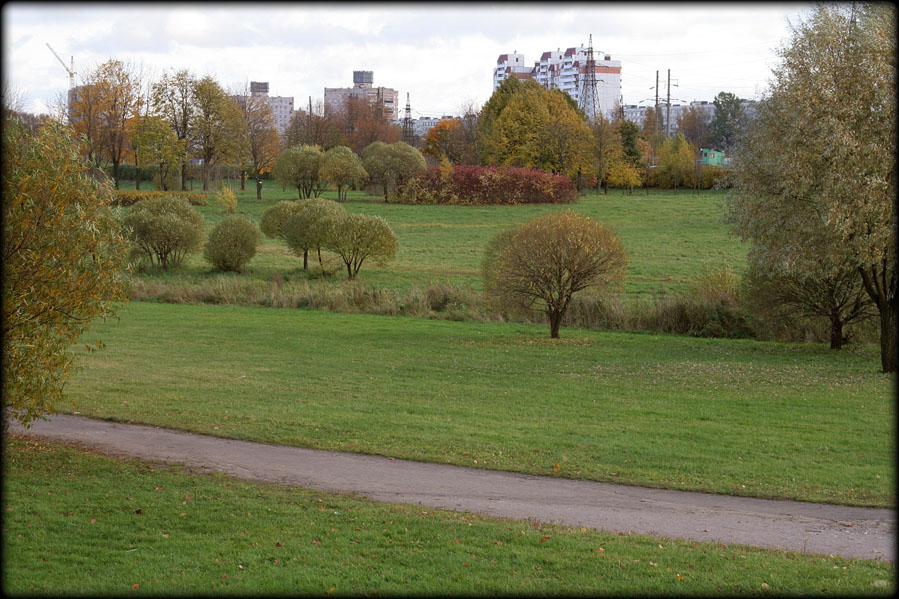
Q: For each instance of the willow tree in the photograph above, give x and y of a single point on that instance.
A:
(815, 178)
(63, 261)
(540, 265)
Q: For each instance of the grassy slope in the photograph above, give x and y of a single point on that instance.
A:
(670, 237)
(743, 417)
(77, 522)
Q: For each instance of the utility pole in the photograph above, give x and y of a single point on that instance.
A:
(589, 101)
(658, 123)
(407, 123)
(668, 108)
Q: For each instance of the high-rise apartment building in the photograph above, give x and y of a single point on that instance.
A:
(566, 71)
(282, 106)
(336, 98)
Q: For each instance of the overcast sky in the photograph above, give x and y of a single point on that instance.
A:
(441, 54)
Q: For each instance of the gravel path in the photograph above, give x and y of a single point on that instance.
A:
(790, 525)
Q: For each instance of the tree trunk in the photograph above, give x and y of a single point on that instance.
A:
(349, 271)
(184, 176)
(305, 259)
(115, 173)
(320, 265)
(889, 323)
(243, 181)
(836, 331)
(137, 178)
(258, 188)
(555, 321)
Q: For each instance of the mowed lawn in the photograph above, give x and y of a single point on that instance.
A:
(670, 238)
(80, 523)
(725, 416)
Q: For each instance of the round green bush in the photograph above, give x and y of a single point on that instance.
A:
(232, 243)
(274, 217)
(164, 229)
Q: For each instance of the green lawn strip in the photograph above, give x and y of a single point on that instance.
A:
(78, 522)
(669, 236)
(725, 416)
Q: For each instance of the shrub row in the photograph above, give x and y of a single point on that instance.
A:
(712, 176)
(128, 197)
(479, 185)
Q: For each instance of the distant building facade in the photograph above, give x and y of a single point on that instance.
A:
(282, 106)
(566, 71)
(336, 98)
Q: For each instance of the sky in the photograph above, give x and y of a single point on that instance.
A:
(442, 54)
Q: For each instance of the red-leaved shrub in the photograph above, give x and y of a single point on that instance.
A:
(490, 185)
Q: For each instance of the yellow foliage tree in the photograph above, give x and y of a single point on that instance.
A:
(63, 255)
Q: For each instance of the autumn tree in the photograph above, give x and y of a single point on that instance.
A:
(218, 131)
(164, 229)
(121, 101)
(536, 128)
(155, 144)
(814, 180)
(389, 165)
(315, 126)
(367, 122)
(490, 112)
(358, 237)
(299, 167)
(607, 149)
(694, 124)
(87, 102)
(273, 219)
(173, 100)
(341, 168)
(63, 258)
(438, 141)
(676, 161)
(262, 139)
(544, 262)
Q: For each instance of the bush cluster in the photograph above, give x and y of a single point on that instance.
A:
(490, 185)
(128, 197)
(232, 243)
(163, 229)
(712, 176)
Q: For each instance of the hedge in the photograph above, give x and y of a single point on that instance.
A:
(491, 185)
(127, 197)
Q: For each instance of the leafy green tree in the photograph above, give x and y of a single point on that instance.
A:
(545, 261)
(232, 243)
(157, 145)
(298, 166)
(342, 168)
(218, 131)
(173, 100)
(164, 229)
(607, 149)
(774, 291)
(814, 181)
(263, 142)
(726, 123)
(628, 132)
(313, 227)
(389, 165)
(358, 237)
(63, 259)
(273, 219)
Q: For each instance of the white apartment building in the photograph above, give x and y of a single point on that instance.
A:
(336, 98)
(282, 106)
(566, 71)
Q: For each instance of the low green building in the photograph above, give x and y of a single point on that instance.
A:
(712, 157)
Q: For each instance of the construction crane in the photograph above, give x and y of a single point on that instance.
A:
(70, 70)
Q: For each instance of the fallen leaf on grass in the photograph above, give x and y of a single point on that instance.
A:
(134, 586)
(544, 539)
(138, 512)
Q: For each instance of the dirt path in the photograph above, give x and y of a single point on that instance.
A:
(791, 525)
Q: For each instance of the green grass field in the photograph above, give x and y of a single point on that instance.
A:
(81, 523)
(669, 236)
(725, 416)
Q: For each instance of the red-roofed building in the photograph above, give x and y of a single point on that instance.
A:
(510, 64)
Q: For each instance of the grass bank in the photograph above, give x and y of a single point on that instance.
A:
(725, 416)
(77, 522)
